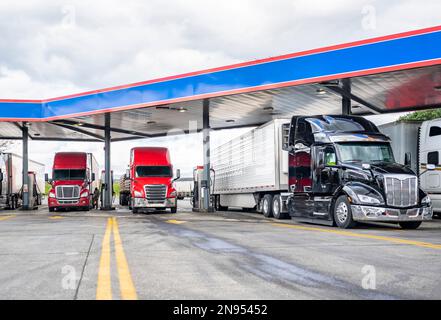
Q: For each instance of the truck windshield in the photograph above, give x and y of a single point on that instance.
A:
(153, 171)
(365, 152)
(69, 174)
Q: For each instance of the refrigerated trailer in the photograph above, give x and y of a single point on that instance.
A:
(252, 168)
(11, 181)
(416, 144)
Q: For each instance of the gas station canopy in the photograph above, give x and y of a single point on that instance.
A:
(393, 73)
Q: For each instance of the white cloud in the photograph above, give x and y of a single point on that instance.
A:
(50, 48)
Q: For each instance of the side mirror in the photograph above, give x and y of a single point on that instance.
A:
(321, 160)
(128, 173)
(178, 174)
(93, 176)
(408, 159)
(46, 177)
(1, 176)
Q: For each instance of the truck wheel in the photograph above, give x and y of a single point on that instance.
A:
(410, 225)
(277, 208)
(51, 209)
(174, 209)
(134, 210)
(343, 213)
(267, 207)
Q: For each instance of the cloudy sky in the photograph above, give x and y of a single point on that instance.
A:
(50, 48)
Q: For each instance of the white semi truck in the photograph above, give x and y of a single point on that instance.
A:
(253, 168)
(11, 181)
(416, 144)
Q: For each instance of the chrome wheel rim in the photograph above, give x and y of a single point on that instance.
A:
(342, 212)
(265, 206)
(276, 207)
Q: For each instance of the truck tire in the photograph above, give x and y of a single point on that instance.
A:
(267, 205)
(51, 209)
(134, 210)
(174, 209)
(410, 225)
(277, 208)
(343, 214)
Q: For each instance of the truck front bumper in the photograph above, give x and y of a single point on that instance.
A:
(367, 213)
(66, 203)
(143, 203)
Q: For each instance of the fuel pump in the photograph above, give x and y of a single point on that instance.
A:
(199, 189)
(33, 190)
(103, 188)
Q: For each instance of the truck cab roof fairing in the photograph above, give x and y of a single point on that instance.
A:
(151, 156)
(340, 124)
(70, 160)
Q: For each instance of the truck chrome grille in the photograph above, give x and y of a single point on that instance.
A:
(67, 192)
(155, 193)
(401, 190)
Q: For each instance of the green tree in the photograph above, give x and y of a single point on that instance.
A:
(422, 115)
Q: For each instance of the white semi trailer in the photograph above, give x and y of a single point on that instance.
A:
(416, 144)
(184, 187)
(252, 168)
(11, 181)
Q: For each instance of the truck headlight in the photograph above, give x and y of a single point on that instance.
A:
(369, 200)
(138, 194)
(426, 201)
(51, 195)
(84, 194)
(173, 194)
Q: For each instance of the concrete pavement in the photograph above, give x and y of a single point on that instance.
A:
(234, 255)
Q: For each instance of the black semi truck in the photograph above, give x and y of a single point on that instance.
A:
(342, 170)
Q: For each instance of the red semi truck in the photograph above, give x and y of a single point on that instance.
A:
(74, 177)
(151, 179)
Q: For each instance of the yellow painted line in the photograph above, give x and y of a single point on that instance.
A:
(176, 221)
(6, 217)
(126, 286)
(364, 236)
(55, 217)
(104, 287)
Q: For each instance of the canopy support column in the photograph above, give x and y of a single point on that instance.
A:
(206, 183)
(108, 194)
(25, 139)
(346, 101)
